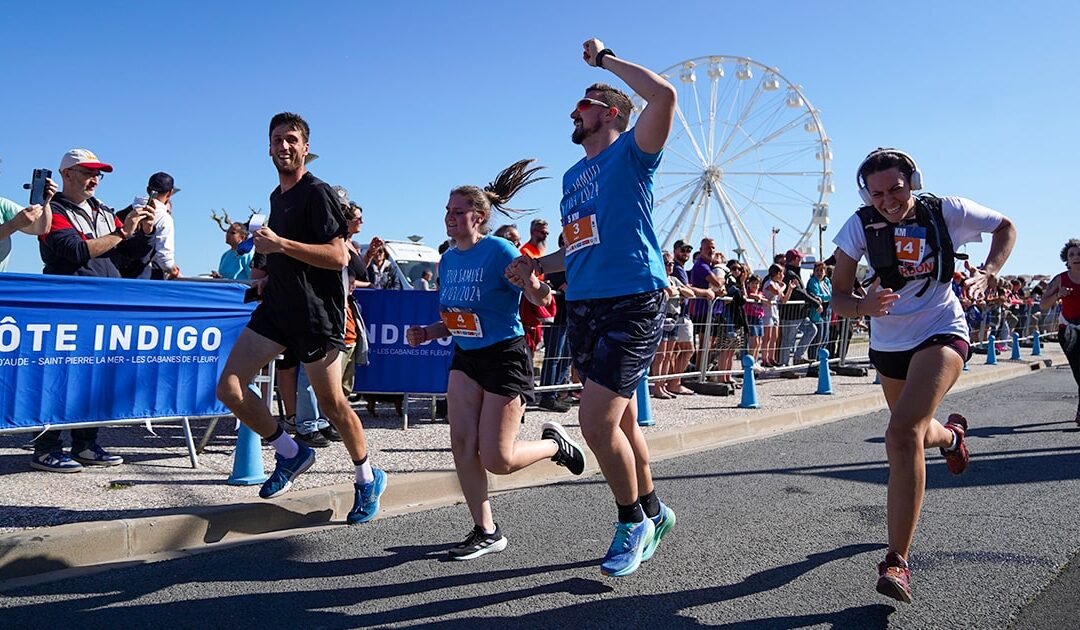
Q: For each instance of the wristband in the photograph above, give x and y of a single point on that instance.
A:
(600, 56)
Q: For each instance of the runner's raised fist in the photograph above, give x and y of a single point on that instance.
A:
(592, 47)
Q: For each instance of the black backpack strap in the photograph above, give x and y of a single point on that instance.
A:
(880, 249)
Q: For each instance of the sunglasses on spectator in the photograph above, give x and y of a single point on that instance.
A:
(686, 248)
(586, 103)
(88, 173)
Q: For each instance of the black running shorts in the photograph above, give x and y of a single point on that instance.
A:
(503, 368)
(300, 346)
(895, 364)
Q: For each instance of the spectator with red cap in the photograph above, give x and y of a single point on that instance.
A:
(85, 239)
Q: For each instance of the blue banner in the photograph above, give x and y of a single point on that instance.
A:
(75, 349)
(394, 367)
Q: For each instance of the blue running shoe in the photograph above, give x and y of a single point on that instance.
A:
(624, 555)
(285, 471)
(662, 522)
(366, 505)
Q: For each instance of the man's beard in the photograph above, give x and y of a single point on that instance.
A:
(581, 133)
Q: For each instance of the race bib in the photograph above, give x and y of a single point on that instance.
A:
(462, 324)
(581, 233)
(910, 244)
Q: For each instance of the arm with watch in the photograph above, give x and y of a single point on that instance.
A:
(654, 123)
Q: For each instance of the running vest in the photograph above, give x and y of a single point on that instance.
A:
(911, 251)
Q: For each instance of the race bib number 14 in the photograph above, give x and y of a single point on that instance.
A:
(910, 244)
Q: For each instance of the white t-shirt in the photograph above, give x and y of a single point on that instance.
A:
(912, 320)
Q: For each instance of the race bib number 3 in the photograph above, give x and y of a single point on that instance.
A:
(581, 233)
(462, 324)
(910, 244)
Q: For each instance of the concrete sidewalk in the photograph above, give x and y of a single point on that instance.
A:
(156, 503)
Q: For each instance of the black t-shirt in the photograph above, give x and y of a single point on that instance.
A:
(306, 299)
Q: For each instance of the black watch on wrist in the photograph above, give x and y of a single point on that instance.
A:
(600, 56)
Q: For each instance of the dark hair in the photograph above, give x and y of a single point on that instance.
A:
(775, 269)
(293, 120)
(503, 230)
(753, 279)
(616, 98)
(883, 160)
(445, 245)
(1069, 244)
(499, 192)
(240, 226)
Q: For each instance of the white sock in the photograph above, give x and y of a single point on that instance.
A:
(955, 441)
(363, 472)
(286, 446)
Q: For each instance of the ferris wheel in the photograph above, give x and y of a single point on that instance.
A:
(747, 163)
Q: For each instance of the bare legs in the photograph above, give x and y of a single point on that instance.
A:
(912, 429)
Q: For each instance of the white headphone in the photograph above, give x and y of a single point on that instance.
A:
(916, 175)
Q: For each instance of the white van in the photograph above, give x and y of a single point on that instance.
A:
(409, 260)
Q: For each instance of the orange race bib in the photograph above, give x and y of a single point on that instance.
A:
(462, 324)
(910, 244)
(581, 233)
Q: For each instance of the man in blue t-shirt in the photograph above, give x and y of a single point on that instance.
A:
(615, 279)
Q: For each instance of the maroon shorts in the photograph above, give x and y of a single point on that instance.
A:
(895, 364)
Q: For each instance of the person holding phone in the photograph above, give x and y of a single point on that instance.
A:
(34, 219)
(85, 238)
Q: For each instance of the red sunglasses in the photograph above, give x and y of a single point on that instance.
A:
(586, 103)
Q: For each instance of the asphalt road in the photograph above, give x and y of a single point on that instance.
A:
(777, 533)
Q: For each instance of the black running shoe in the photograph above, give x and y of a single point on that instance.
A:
(313, 439)
(477, 544)
(569, 454)
(551, 403)
(330, 433)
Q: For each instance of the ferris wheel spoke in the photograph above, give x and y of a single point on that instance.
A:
(701, 120)
(753, 202)
(677, 191)
(679, 154)
(690, 135)
(714, 86)
(760, 143)
(733, 219)
(743, 117)
(690, 201)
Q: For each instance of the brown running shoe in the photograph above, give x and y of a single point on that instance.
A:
(894, 578)
(958, 458)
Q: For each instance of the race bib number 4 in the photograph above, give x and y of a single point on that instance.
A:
(462, 324)
(910, 244)
(581, 233)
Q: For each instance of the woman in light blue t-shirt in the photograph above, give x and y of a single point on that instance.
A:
(491, 370)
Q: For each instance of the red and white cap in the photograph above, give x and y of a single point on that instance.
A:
(84, 158)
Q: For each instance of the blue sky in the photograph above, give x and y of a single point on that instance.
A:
(408, 100)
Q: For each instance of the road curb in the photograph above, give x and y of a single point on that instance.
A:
(50, 549)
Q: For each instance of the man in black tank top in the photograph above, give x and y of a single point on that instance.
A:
(302, 315)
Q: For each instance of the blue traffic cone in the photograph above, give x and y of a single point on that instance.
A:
(644, 409)
(1015, 348)
(1036, 346)
(749, 385)
(824, 380)
(991, 350)
(247, 467)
